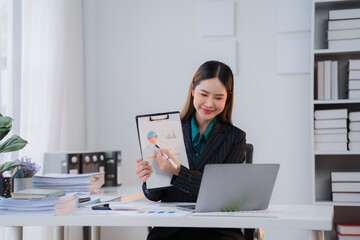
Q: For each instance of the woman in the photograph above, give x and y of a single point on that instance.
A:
(209, 137)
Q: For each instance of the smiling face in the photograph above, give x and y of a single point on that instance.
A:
(209, 99)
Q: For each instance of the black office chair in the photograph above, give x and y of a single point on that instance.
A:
(251, 233)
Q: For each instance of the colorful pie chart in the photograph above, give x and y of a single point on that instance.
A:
(152, 137)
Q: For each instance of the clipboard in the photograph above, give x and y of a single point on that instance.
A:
(164, 130)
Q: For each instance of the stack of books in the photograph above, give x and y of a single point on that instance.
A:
(344, 29)
(37, 193)
(38, 206)
(354, 131)
(348, 231)
(327, 80)
(354, 78)
(331, 130)
(345, 186)
(82, 183)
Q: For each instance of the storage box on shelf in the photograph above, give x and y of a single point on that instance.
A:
(335, 87)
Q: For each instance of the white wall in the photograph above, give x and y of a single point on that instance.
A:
(141, 56)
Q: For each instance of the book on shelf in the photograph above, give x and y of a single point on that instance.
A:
(331, 137)
(354, 64)
(354, 74)
(37, 193)
(320, 80)
(354, 136)
(344, 24)
(346, 197)
(354, 94)
(331, 114)
(330, 123)
(344, 14)
(354, 116)
(354, 84)
(334, 80)
(354, 146)
(348, 237)
(345, 186)
(330, 131)
(345, 176)
(327, 80)
(348, 228)
(330, 146)
(354, 126)
(343, 34)
(347, 44)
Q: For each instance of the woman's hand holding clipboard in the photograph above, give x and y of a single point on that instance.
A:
(160, 164)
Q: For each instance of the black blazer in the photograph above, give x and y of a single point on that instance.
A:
(226, 144)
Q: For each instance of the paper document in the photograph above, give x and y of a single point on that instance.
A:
(132, 209)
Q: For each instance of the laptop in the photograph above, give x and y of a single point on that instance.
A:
(236, 187)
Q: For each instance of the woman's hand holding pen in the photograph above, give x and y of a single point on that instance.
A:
(143, 169)
(164, 163)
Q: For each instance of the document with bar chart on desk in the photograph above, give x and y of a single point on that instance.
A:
(161, 130)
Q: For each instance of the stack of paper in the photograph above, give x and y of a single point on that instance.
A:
(84, 183)
(45, 206)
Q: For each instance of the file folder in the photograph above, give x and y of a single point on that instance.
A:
(62, 162)
(113, 168)
(101, 164)
(87, 163)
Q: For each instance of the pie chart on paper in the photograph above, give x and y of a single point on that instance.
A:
(152, 137)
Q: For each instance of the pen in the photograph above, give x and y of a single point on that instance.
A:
(15, 171)
(168, 158)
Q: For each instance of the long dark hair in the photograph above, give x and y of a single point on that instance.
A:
(208, 70)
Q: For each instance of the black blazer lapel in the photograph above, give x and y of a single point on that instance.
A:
(188, 143)
(212, 144)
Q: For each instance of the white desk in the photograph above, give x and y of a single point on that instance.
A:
(307, 217)
(128, 193)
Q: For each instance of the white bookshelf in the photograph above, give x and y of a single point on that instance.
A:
(323, 163)
(341, 204)
(335, 51)
(356, 153)
(346, 101)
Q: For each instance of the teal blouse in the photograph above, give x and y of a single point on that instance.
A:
(199, 141)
